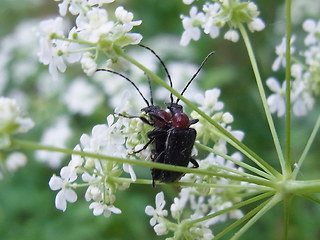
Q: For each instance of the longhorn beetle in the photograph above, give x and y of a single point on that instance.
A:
(172, 137)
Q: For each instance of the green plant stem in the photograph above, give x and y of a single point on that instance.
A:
(73, 40)
(270, 204)
(241, 164)
(286, 208)
(35, 146)
(307, 147)
(311, 198)
(288, 89)
(240, 221)
(192, 184)
(231, 139)
(235, 206)
(263, 96)
(302, 187)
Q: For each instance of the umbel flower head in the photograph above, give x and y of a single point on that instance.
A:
(94, 32)
(218, 14)
(11, 121)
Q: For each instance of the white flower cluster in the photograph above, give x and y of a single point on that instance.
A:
(305, 74)
(216, 15)
(200, 207)
(100, 176)
(213, 108)
(95, 32)
(11, 122)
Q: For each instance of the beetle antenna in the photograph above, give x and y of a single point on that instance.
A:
(151, 97)
(163, 65)
(194, 75)
(121, 75)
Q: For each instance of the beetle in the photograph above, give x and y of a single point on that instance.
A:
(172, 138)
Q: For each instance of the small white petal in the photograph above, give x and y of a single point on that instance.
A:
(114, 210)
(160, 229)
(149, 210)
(70, 195)
(55, 183)
(60, 201)
(160, 203)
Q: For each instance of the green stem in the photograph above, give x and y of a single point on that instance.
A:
(287, 205)
(73, 40)
(288, 89)
(262, 95)
(241, 164)
(311, 198)
(231, 139)
(303, 187)
(235, 206)
(274, 200)
(35, 146)
(240, 221)
(307, 147)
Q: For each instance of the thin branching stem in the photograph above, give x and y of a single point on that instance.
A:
(262, 95)
(235, 206)
(237, 162)
(307, 147)
(270, 204)
(288, 89)
(35, 146)
(242, 220)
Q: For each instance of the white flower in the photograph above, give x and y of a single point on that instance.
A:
(82, 97)
(99, 2)
(94, 24)
(256, 25)
(281, 52)
(209, 102)
(128, 169)
(301, 98)
(88, 64)
(179, 203)
(188, 2)
(11, 120)
(157, 212)
(190, 24)
(126, 18)
(98, 139)
(68, 175)
(77, 6)
(51, 50)
(160, 229)
(15, 161)
(232, 35)
(76, 160)
(276, 100)
(55, 135)
(211, 16)
(313, 28)
(99, 208)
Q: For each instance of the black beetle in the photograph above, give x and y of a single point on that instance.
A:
(172, 138)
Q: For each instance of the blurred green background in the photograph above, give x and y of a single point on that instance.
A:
(27, 204)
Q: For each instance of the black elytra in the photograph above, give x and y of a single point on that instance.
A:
(172, 138)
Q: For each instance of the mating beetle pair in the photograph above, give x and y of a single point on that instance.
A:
(172, 138)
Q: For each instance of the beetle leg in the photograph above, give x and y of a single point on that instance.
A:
(143, 119)
(194, 162)
(144, 147)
